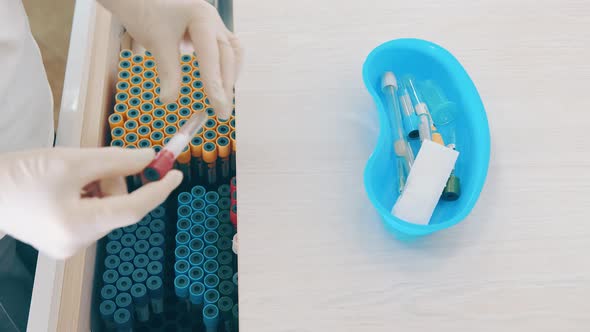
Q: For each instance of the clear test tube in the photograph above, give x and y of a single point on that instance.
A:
(401, 146)
(425, 127)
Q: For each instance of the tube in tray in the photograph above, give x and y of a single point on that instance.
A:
(164, 160)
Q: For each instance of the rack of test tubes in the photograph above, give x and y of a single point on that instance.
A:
(175, 269)
(206, 267)
(141, 120)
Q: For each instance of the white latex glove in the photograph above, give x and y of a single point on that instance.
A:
(41, 202)
(160, 26)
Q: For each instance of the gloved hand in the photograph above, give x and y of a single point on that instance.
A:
(160, 26)
(41, 202)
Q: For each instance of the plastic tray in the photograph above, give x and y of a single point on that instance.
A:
(425, 60)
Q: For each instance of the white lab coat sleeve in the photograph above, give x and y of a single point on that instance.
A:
(26, 103)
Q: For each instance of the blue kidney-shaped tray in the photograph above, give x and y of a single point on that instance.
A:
(425, 60)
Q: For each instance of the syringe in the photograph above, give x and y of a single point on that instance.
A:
(401, 145)
(164, 160)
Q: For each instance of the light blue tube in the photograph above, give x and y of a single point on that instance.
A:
(211, 281)
(197, 231)
(212, 210)
(182, 239)
(181, 286)
(181, 267)
(182, 252)
(183, 225)
(196, 292)
(184, 211)
(196, 245)
(211, 296)
(198, 217)
(211, 266)
(155, 290)
(140, 302)
(198, 204)
(196, 274)
(211, 317)
(196, 259)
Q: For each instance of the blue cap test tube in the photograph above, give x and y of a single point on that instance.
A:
(127, 255)
(198, 217)
(123, 284)
(210, 252)
(211, 266)
(123, 300)
(196, 245)
(211, 281)
(157, 225)
(184, 198)
(198, 191)
(181, 286)
(145, 221)
(156, 254)
(113, 247)
(196, 259)
(141, 247)
(181, 267)
(158, 212)
(156, 240)
(211, 237)
(182, 252)
(107, 310)
(211, 317)
(115, 234)
(212, 223)
(112, 262)
(183, 225)
(110, 277)
(196, 273)
(125, 269)
(128, 240)
(156, 292)
(139, 276)
(140, 301)
(197, 231)
(211, 197)
(155, 269)
(108, 292)
(123, 320)
(184, 211)
(143, 232)
(141, 261)
(182, 239)
(198, 204)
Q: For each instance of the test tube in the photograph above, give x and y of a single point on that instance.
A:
(198, 169)
(164, 160)
(210, 157)
(409, 118)
(225, 305)
(196, 297)
(224, 151)
(234, 148)
(426, 127)
(401, 146)
(140, 301)
(181, 267)
(107, 310)
(181, 286)
(227, 288)
(155, 288)
(123, 320)
(211, 317)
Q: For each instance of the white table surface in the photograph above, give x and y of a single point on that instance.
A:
(314, 255)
